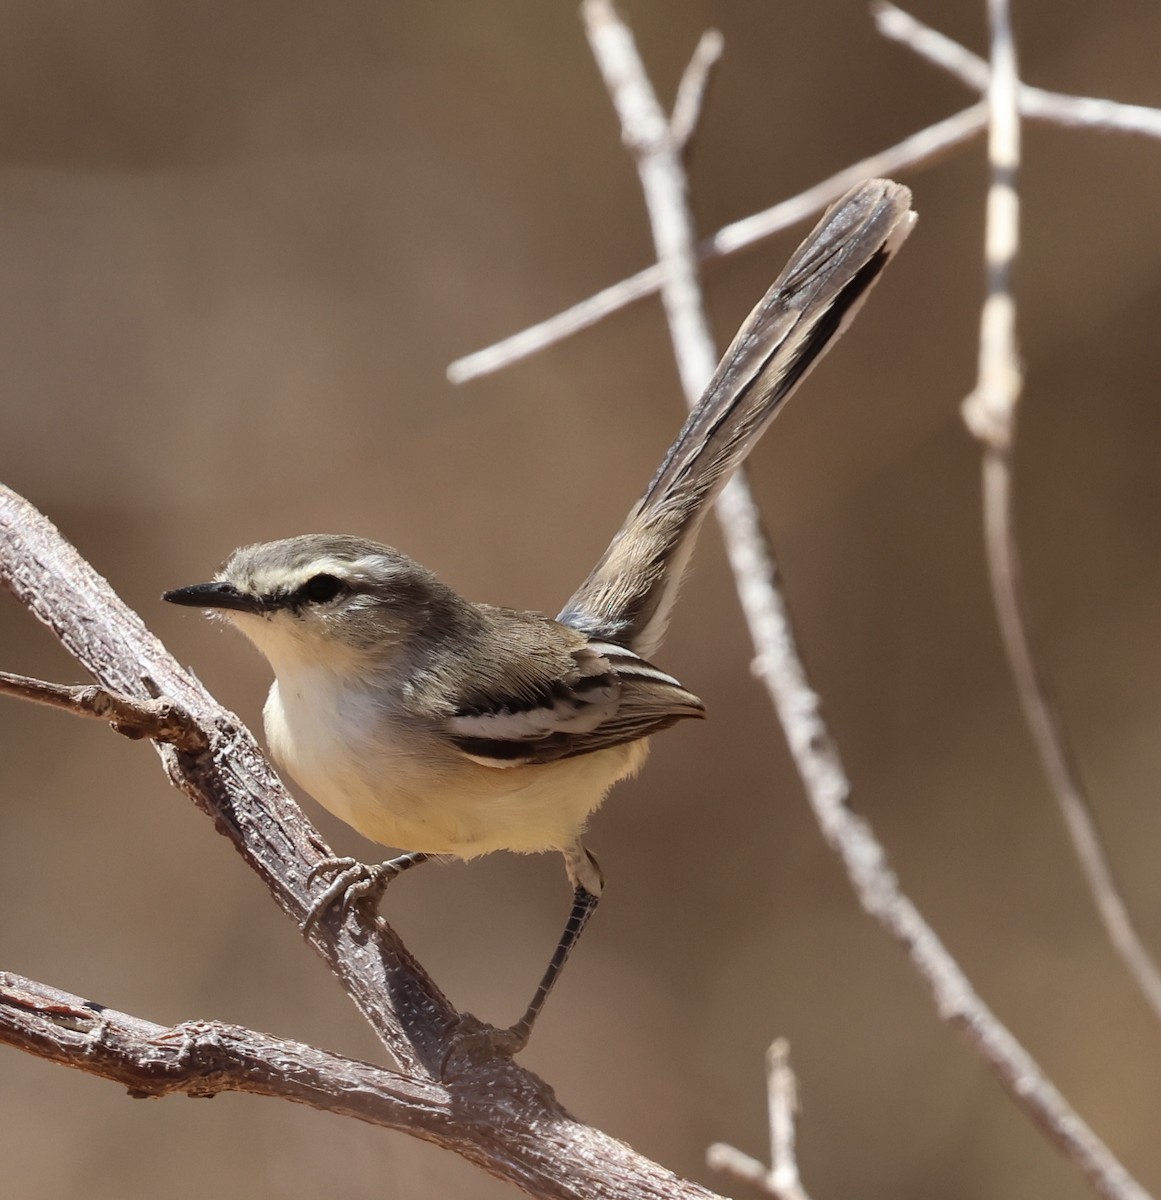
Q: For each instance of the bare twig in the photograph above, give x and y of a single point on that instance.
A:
(991, 408)
(990, 413)
(777, 661)
(920, 148)
(721, 1156)
(691, 91)
(782, 1100)
(782, 1179)
(1082, 112)
(156, 719)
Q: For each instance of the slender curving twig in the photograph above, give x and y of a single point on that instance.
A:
(990, 413)
(694, 86)
(777, 660)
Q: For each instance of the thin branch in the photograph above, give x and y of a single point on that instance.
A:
(926, 146)
(155, 719)
(721, 1156)
(782, 1100)
(1048, 730)
(691, 91)
(778, 662)
(645, 130)
(781, 1179)
(990, 413)
(1082, 112)
(991, 408)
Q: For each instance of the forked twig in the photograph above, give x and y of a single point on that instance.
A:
(693, 88)
(781, 1179)
(925, 146)
(1080, 112)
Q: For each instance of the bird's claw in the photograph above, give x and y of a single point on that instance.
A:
(353, 882)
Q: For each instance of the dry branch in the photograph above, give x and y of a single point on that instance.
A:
(540, 1148)
(990, 413)
(155, 719)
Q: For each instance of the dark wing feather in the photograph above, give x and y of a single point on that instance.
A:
(574, 696)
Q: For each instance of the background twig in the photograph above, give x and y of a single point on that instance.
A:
(990, 413)
(1081, 112)
(781, 1179)
(777, 660)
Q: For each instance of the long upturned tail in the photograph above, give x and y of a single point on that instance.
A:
(629, 593)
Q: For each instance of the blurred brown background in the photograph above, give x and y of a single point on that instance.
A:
(240, 244)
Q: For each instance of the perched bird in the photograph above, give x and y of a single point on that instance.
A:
(445, 727)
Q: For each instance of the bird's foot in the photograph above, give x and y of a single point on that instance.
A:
(475, 1045)
(353, 882)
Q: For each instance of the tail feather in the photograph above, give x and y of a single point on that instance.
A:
(628, 595)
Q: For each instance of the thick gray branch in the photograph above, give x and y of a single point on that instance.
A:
(550, 1156)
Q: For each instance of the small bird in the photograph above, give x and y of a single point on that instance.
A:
(446, 727)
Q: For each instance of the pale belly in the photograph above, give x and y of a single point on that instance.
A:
(428, 797)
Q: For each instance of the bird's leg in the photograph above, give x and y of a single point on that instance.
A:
(354, 881)
(588, 883)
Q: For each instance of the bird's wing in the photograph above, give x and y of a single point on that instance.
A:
(561, 696)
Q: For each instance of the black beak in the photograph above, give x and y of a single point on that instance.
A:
(215, 595)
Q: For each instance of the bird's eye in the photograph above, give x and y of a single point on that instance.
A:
(321, 588)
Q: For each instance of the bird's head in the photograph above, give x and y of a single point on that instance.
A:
(325, 599)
